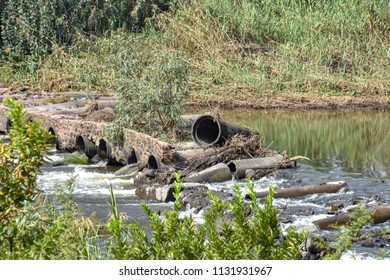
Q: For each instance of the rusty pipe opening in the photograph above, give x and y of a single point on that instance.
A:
(208, 130)
(86, 146)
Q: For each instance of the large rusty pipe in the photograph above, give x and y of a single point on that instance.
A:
(208, 131)
(86, 146)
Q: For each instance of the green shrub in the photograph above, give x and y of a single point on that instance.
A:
(20, 160)
(33, 27)
(254, 236)
(151, 92)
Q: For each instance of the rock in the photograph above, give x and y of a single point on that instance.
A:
(315, 244)
(106, 115)
(155, 192)
(336, 206)
(368, 244)
(95, 159)
(129, 169)
(250, 174)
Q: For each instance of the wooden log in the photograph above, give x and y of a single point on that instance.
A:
(239, 167)
(380, 214)
(330, 187)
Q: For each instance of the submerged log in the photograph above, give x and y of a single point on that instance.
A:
(379, 215)
(217, 173)
(239, 167)
(208, 131)
(330, 187)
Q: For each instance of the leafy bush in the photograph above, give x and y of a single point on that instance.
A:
(151, 91)
(33, 27)
(254, 236)
(31, 227)
(20, 160)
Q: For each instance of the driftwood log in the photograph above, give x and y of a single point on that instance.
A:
(379, 215)
(330, 187)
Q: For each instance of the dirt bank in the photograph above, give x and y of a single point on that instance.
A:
(289, 101)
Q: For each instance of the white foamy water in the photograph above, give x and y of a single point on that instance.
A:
(86, 181)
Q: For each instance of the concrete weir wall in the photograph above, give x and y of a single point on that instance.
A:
(76, 132)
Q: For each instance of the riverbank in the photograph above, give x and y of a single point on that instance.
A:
(296, 55)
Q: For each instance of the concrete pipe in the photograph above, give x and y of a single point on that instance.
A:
(239, 167)
(132, 157)
(154, 162)
(104, 150)
(217, 173)
(208, 131)
(55, 137)
(86, 146)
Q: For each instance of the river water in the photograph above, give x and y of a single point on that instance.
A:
(347, 145)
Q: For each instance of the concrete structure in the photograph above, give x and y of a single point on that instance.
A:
(75, 131)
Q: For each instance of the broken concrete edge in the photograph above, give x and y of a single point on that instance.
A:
(67, 128)
(74, 132)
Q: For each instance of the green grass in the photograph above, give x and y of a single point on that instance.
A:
(239, 50)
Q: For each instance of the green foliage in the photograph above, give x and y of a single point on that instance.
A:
(75, 158)
(33, 27)
(283, 46)
(151, 93)
(49, 230)
(360, 217)
(20, 160)
(237, 50)
(245, 235)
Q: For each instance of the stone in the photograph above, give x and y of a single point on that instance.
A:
(106, 115)
(315, 244)
(368, 243)
(129, 169)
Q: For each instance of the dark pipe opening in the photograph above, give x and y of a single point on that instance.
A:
(104, 149)
(80, 145)
(8, 125)
(55, 138)
(206, 131)
(154, 162)
(133, 157)
(86, 146)
(232, 166)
